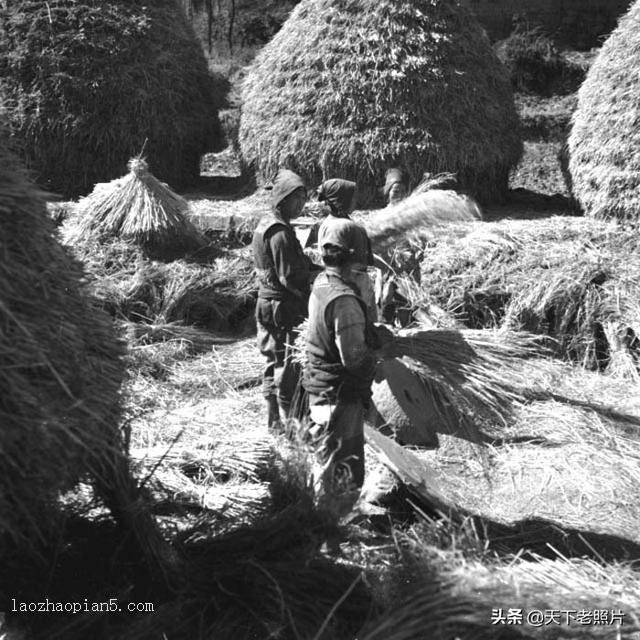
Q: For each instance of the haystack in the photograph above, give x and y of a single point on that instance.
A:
(604, 143)
(61, 367)
(351, 88)
(141, 209)
(86, 83)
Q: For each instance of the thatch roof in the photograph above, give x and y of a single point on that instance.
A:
(86, 83)
(60, 368)
(139, 208)
(604, 144)
(350, 88)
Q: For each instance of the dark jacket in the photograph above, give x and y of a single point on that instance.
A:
(325, 375)
(282, 267)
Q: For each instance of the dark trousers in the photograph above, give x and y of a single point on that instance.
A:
(341, 425)
(275, 339)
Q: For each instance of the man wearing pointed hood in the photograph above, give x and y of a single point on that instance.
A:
(340, 196)
(284, 278)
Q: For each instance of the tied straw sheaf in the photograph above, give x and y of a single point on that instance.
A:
(468, 374)
(141, 208)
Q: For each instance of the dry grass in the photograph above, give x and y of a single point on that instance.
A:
(605, 135)
(364, 87)
(569, 278)
(141, 209)
(422, 212)
(60, 368)
(569, 458)
(88, 86)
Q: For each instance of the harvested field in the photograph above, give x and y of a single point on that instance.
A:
(503, 455)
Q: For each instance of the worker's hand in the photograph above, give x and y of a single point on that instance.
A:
(384, 342)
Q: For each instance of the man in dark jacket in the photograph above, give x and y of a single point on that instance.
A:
(284, 275)
(341, 364)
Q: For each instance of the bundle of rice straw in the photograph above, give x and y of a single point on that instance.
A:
(140, 208)
(419, 212)
(468, 376)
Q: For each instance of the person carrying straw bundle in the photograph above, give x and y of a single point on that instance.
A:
(284, 274)
(340, 195)
(342, 355)
(396, 185)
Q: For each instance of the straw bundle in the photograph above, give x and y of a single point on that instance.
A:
(605, 137)
(350, 88)
(419, 212)
(467, 376)
(141, 209)
(86, 83)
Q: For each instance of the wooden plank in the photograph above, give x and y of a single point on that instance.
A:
(409, 469)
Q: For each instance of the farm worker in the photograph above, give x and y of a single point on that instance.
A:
(340, 195)
(283, 273)
(396, 185)
(341, 364)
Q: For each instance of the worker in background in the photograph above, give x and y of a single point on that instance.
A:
(340, 195)
(284, 274)
(396, 185)
(341, 364)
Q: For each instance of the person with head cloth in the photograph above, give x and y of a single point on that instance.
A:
(341, 343)
(396, 185)
(283, 272)
(340, 196)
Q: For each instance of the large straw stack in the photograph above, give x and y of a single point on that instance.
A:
(348, 88)
(86, 83)
(60, 373)
(60, 366)
(604, 144)
(139, 208)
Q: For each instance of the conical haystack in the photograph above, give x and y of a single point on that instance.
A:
(350, 87)
(604, 144)
(87, 82)
(60, 368)
(139, 208)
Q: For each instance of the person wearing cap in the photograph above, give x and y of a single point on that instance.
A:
(283, 273)
(341, 345)
(396, 185)
(340, 195)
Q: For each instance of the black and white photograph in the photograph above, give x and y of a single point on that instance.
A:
(319, 319)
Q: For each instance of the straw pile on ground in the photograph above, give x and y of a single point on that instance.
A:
(347, 89)
(569, 278)
(87, 84)
(141, 209)
(565, 471)
(218, 296)
(60, 372)
(605, 137)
